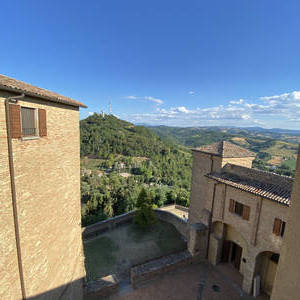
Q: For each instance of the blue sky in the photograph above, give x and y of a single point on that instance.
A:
(184, 63)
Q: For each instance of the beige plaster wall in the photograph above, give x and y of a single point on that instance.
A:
(201, 166)
(287, 279)
(47, 172)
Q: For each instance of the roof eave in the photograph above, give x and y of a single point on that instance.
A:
(15, 90)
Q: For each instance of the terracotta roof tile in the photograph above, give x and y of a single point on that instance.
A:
(14, 85)
(226, 149)
(279, 192)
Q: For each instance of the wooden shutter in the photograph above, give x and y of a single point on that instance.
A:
(42, 122)
(15, 121)
(231, 206)
(277, 226)
(246, 212)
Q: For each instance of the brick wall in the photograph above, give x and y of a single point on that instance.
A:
(47, 173)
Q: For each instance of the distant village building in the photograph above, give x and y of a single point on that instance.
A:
(40, 231)
(237, 214)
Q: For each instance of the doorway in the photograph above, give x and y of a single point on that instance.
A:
(232, 253)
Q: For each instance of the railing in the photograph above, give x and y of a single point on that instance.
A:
(28, 131)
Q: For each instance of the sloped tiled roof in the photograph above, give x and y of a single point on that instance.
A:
(226, 149)
(14, 85)
(265, 184)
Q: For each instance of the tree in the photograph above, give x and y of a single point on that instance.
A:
(144, 216)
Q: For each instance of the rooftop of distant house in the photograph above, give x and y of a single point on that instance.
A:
(225, 149)
(261, 183)
(17, 86)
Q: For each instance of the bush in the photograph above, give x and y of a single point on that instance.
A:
(144, 216)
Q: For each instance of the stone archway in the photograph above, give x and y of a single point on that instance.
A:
(226, 245)
(266, 267)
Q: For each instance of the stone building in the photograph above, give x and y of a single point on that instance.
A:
(40, 231)
(244, 212)
(287, 280)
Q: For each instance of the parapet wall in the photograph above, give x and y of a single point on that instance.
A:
(103, 226)
(149, 270)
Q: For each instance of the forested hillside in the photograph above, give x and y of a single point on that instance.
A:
(276, 149)
(118, 159)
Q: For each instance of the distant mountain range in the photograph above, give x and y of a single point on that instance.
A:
(254, 129)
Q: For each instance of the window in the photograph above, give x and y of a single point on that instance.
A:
(239, 209)
(28, 117)
(278, 227)
(275, 258)
(27, 121)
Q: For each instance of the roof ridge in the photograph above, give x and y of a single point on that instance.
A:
(225, 149)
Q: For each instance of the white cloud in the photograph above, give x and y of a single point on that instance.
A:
(91, 113)
(183, 109)
(237, 102)
(192, 93)
(269, 111)
(131, 97)
(147, 98)
(155, 100)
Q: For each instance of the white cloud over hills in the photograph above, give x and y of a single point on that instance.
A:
(269, 111)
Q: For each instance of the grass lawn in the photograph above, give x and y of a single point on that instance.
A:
(119, 249)
(290, 163)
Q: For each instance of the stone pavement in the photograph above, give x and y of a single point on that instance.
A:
(199, 282)
(176, 211)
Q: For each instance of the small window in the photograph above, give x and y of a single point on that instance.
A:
(28, 117)
(27, 122)
(239, 209)
(275, 258)
(279, 227)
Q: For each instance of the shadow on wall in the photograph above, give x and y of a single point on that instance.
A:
(73, 291)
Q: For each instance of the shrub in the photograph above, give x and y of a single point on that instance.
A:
(144, 216)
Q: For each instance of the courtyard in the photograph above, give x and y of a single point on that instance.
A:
(117, 250)
(194, 282)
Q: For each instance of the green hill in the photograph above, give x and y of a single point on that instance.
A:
(119, 158)
(102, 137)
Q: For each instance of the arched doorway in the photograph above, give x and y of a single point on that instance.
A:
(232, 253)
(266, 267)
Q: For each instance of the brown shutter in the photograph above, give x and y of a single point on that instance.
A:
(15, 121)
(42, 122)
(231, 205)
(246, 212)
(277, 226)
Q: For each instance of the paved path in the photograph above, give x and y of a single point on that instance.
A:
(176, 211)
(199, 282)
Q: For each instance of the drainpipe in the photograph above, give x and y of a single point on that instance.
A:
(13, 189)
(210, 217)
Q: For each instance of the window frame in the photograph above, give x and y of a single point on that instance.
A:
(279, 230)
(36, 124)
(239, 209)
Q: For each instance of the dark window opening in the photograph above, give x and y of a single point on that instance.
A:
(238, 208)
(28, 121)
(279, 227)
(282, 228)
(275, 257)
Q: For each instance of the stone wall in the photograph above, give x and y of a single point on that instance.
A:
(180, 224)
(103, 287)
(103, 226)
(149, 270)
(47, 174)
(287, 279)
